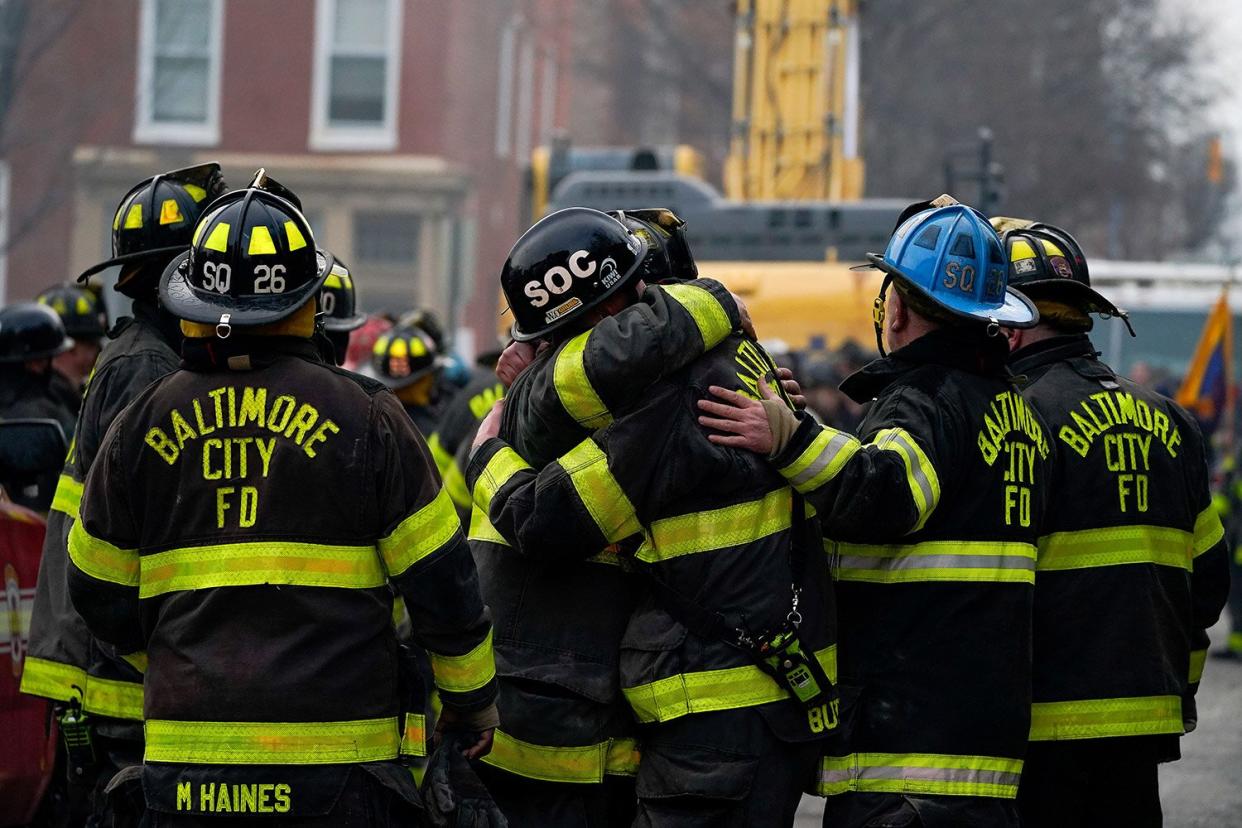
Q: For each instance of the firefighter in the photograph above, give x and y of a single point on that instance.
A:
(242, 526)
(84, 323)
(153, 222)
(451, 440)
(407, 360)
(338, 304)
(728, 659)
(565, 754)
(1133, 563)
(933, 514)
(31, 337)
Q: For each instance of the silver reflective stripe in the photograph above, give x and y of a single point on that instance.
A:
(838, 443)
(937, 562)
(913, 465)
(917, 774)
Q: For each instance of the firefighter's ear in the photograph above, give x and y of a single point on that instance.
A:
(896, 315)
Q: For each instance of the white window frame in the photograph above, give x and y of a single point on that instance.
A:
(146, 129)
(325, 136)
(4, 231)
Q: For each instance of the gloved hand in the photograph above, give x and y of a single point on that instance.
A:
(453, 794)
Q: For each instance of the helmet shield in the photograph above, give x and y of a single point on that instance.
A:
(252, 257)
(569, 262)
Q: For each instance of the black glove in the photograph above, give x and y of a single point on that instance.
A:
(453, 794)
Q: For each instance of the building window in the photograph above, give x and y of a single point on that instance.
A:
(386, 238)
(357, 63)
(178, 98)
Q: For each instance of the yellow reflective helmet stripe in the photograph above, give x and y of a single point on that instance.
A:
(822, 460)
(1021, 249)
(260, 562)
(170, 212)
(1115, 546)
(68, 497)
(296, 240)
(101, 560)
(574, 388)
(711, 319)
(482, 530)
(196, 192)
(261, 243)
(423, 533)
(218, 239)
(1198, 658)
(968, 561)
(701, 692)
(466, 672)
(271, 743)
(1209, 530)
(920, 473)
(499, 470)
(414, 735)
(605, 500)
(920, 773)
(718, 528)
(133, 219)
(1101, 718)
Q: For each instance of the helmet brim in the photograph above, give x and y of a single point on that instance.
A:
(1072, 293)
(346, 324)
(521, 336)
(185, 302)
(65, 345)
(131, 258)
(1015, 311)
(395, 383)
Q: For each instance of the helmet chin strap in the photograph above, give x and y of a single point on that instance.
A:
(877, 315)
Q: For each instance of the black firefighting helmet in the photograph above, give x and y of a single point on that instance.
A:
(429, 323)
(668, 251)
(404, 355)
(1046, 262)
(565, 265)
(78, 309)
(29, 331)
(252, 262)
(338, 301)
(158, 215)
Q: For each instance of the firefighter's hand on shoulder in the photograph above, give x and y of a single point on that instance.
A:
(748, 327)
(514, 360)
(480, 724)
(762, 426)
(490, 426)
(792, 387)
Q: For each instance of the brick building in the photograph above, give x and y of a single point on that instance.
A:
(404, 125)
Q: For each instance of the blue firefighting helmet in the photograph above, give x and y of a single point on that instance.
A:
(953, 257)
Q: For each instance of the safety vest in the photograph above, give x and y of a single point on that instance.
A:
(247, 528)
(1131, 568)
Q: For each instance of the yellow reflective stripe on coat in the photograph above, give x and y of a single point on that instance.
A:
(1099, 718)
(68, 497)
(100, 559)
(1115, 546)
(261, 562)
(438, 453)
(482, 529)
(1198, 658)
(272, 743)
(136, 660)
(573, 386)
(65, 682)
(455, 485)
(605, 500)
(423, 533)
(701, 692)
(572, 764)
(414, 735)
(1209, 531)
(920, 773)
(972, 561)
(499, 470)
(466, 672)
(710, 318)
(920, 473)
(822, 460)
(718, 528)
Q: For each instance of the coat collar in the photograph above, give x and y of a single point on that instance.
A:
(959, 349)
